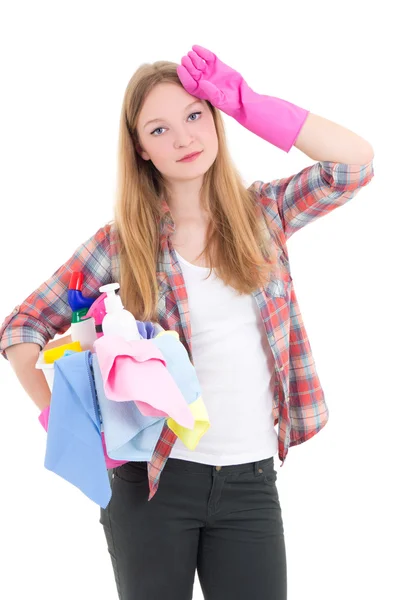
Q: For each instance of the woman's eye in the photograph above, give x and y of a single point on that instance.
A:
(196, 113)
(159, 128)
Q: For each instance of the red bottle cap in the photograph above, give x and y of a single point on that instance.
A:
(75, 283)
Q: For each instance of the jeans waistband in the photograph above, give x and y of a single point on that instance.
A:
(177, 464)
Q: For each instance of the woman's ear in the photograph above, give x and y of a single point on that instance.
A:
(142, 153)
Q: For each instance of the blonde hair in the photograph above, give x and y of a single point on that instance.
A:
(245, 254)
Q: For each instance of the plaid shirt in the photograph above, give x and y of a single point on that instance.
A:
(284, 206)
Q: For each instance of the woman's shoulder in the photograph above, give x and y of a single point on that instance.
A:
(112, 231)
(114, 248)
(107, 235)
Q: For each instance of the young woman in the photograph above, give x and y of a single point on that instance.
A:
(196, 251)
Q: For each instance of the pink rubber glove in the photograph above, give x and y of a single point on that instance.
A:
(277, 121)
(44, 417)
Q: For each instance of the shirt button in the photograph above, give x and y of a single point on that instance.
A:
(218, 468)
(260, 470)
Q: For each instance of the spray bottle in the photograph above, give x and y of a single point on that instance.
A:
(117, 320)
(83, 329)
(76, 299)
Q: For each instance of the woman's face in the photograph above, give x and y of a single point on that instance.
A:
(181, 124)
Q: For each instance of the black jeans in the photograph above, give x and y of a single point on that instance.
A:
(226, 522)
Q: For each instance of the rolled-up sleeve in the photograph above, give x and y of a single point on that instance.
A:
(46, 312)
(296, 201)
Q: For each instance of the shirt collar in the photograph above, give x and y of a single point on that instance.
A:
(167, 225)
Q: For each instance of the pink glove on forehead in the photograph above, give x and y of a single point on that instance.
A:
(205, 76)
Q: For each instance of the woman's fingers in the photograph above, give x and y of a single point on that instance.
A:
(198, 62)
(191, 68)
(187, 80)
(207, 55)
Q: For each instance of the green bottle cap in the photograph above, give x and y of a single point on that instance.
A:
(77, 316)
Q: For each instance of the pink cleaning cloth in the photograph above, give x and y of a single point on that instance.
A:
(136, 371)
(44, 417)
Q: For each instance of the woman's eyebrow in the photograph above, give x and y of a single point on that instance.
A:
(162, 119)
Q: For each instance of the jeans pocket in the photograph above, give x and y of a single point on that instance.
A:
(132, 472)
(270, 477)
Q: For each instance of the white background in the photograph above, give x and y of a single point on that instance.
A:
(64, 69)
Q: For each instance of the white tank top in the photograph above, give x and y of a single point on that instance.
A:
(235, 367)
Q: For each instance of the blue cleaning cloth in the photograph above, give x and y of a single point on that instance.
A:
(74, 449)
(179, 366)
(128, 434)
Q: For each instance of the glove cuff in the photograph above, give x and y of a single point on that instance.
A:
(277, 121)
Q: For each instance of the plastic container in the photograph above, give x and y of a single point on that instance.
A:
(83, 329)
(48, 370)
(54, 354)
(117, 320)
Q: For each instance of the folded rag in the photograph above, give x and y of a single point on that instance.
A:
(128, 434)
(185, 376)
(74, 448)
(130, 429)
(147, 330)
(136, 371)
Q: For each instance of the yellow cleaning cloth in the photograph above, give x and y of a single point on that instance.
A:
(190, 437)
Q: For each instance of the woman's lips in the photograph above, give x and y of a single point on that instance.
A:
(190, 158)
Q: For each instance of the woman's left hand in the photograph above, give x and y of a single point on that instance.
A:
(203, 75)
(277, 121)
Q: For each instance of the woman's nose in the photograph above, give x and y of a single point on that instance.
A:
(183, 138)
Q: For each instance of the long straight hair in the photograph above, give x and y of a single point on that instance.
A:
(242, 253)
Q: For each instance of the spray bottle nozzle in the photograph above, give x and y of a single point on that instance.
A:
(109, 287)
(76, 299)
(75, 283)
(117, 320)
(112, 302)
